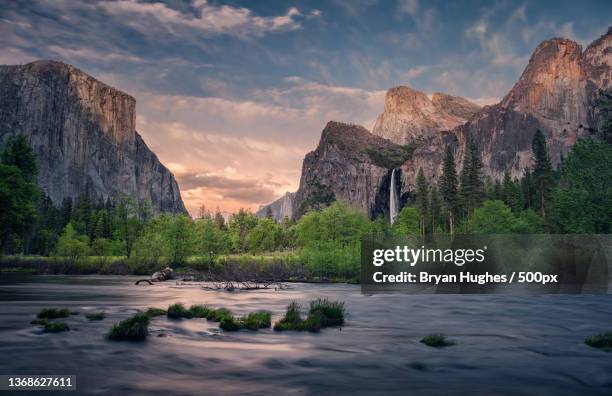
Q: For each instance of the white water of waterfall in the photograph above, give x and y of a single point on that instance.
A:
(393, 200)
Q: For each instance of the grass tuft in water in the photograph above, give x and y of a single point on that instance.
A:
(55, 327)
(436, 341)
(95, 316)
(135, 328)
(178, 311)
(257, 320)
(601, 341)
(53, 313)
(153, 312)
(229, 323)
(330, 313)
(217, 315)
(199, 311)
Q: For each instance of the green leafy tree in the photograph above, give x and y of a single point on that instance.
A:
(19, 194)
(71, 244)
(494, 217)
(210, 239)
(239, 225)
(583, 201)
(179, 238)
(408, 222)
(266, 236)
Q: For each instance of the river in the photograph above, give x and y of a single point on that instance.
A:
(504, 345)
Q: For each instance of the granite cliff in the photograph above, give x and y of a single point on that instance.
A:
(83, 134)
(559, 92)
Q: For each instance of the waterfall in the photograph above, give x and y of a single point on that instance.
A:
(393, 199)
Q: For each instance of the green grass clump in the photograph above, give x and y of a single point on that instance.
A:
(41, 322)
(199, 311)
(217, 315)
(55, 327)
(153, 312)
(53, 313)
(330, 313)
(293, 320)
(135, 328)
(436, 341)
(229, 323)
(257, 320)
(601, 341)
(96, 316)
(322, 313)
(178, 311)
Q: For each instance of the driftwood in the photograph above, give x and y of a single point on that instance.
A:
(144, 280)
(160, 276)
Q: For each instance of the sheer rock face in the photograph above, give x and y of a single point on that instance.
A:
(557, 93)
(409, 114)
(83, 134)
(344, 167)
(281, 208)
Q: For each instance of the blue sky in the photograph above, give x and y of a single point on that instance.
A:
(232, 94)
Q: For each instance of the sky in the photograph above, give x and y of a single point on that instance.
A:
(232, 94)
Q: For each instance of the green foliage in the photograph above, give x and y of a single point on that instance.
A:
(390, 157)
(408, 222)
(72, 245)
(257, 320)
(436, 340)
(229, 323)
(95, 316)
(18, 194)
(153, 312)
(240, 225)
(266, 236)
(511, 193)
(542, 174)
(330, 313)
(602, 341)
(53, 313)
(494, 217)
(322, 313)
(449, 188)
(135, 328)
(471, 192)
(583, 201)
(330, 240)
(55, 327)
(422, 199)
(178, 311)
(211, 237)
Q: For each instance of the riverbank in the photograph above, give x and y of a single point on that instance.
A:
(275, 266)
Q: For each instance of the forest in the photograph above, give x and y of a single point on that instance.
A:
(90, 235)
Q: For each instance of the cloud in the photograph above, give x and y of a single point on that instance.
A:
(207, 18)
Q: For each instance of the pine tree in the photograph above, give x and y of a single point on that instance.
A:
(472, 183)
(511, 194)
(422, 195)
(448, 187)
(435, 206)
(542, 173)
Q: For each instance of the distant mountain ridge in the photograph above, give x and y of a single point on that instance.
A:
(558, 93)
(83, 134)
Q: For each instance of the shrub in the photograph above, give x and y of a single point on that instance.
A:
(178, 311)
(217, 315)
(96, 316)
(53, 313)
(436, 340)
(135, 328)
(602, 341)
(330, 313)
(153, 312)
(293, 320)
(55, 327)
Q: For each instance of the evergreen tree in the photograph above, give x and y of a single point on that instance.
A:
(472, 184)
(435, 208)
(422, 199)
(542, 174)
(17, 152)
(220, 220)
(448, 187)
(511, 194)
(527, 189)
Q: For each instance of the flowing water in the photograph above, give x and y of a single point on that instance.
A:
(504, 345)
(393, 199)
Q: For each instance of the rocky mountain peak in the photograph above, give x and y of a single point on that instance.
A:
(410, 114)
(83, 134)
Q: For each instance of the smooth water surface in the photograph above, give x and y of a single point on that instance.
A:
(504, 345)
